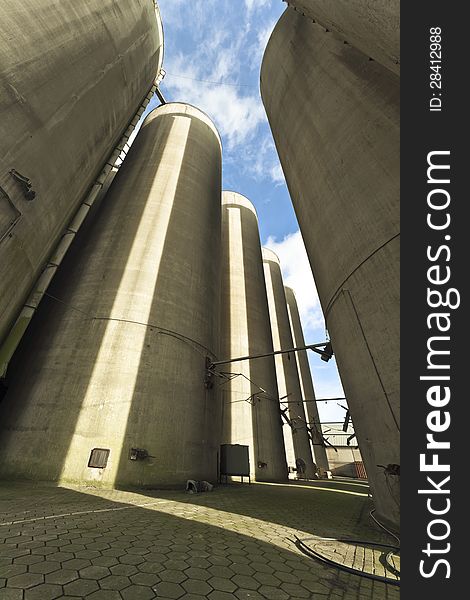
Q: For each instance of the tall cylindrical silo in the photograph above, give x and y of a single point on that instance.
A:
(251, 414)
(72, 77)
(306, 383)
(371, 26)
(112, 371)
(335, 120)
(296, 435)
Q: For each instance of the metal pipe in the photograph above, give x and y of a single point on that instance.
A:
(313, 347)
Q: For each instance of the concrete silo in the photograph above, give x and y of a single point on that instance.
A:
(72, 78)
(306, 383)
(112, 370)
(371, 26)
(251, 414)
(296, 436)
(334, 115)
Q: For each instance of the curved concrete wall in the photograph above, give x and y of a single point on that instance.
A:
(306, 383)
(72, 76)
(371, 26)
(116, 359)
(335, 120)
(296, 437)
(251, 417)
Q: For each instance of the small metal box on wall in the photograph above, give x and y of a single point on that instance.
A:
(234, 461)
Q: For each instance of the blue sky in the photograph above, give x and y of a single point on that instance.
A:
(213, 51)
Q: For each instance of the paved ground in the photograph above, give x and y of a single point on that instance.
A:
(232, 543)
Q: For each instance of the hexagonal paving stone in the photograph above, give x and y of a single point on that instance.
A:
(104, 595)
(315, 586)
(94, 572)
(222, 583)
(244, 594)
(138, 592)
(219, 561)
(196, 586)
(12, 570)
(296, 590)
(242, 569)
(287, 577)
(11, 594)
(31, 559)
(45, 567)
(168, 590)
(61, 556)
(76, 564)
(145, 579)
(126, 570)
(43, 550)
(273, 593)
(131, 559)
(172, 575)
(197, 561)
(104, 561)
(245, 581)
(176, 565)
(115, 582)
(113, 552)
(267, 579)
(196, 573)
(224, 572)
(261, 567)
(88, 554)
(80, 587)
(26, 580)
(62, 577)
(14, 552)
(217, 595)
(45, 591)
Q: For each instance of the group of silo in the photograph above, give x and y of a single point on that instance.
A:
(330, 87)
(109, 384)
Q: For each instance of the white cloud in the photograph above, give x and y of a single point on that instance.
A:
(262, 161)
(236, 116)
(297, 274)
(255, 4)
(277, 176)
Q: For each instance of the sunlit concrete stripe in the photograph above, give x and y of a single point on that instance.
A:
(281, 377)
(241, 427)
(134, 298)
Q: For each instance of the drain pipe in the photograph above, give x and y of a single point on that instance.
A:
(13, 339)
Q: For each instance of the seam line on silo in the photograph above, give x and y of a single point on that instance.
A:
(339, 289)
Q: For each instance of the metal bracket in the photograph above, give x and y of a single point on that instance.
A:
(25, 182)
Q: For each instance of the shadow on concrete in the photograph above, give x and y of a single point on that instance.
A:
(50, 412)
(170, 538)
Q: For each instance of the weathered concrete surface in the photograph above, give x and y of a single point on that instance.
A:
(296, 436)
(306, 383)
(371, 26)
(116, 359)
(251, 416)
(335, 119)
(72, 76)
(232, 544)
